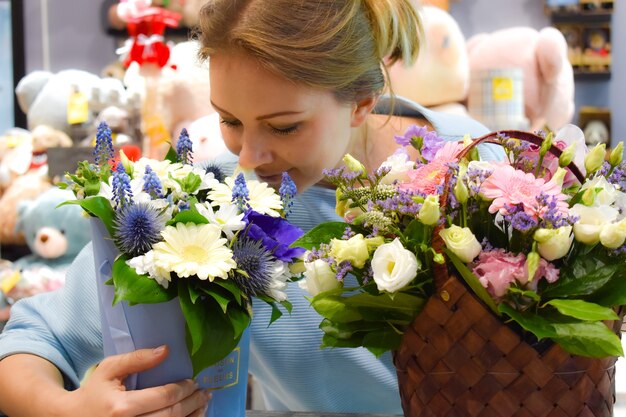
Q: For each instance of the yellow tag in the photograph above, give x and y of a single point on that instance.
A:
(77, 108)
(502, 88)
(10, 282)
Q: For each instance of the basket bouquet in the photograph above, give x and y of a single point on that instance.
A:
(181, 251)
(496, 285)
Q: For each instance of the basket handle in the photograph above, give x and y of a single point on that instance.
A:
(441, 271)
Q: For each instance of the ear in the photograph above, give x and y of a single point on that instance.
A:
(362, 109)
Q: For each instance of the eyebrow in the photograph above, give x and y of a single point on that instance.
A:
(265, 116)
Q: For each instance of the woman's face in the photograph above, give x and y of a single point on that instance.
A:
(275, 125)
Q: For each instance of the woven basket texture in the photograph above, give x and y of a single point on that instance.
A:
(459, 359)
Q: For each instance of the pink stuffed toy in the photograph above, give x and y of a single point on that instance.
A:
(548, 80)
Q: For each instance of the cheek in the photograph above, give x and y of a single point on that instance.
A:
(231, 140)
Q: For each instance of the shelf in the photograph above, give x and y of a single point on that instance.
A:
(582, 17)
(592, 76)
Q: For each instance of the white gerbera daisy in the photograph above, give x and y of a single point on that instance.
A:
(194, 249)
(136, 187)
(227, 217)
(144, 264)
(262, 198)
(208, 178)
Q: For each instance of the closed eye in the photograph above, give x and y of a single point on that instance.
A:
(289, 130)
(230, 123)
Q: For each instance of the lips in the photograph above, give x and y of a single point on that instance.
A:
(270, 178)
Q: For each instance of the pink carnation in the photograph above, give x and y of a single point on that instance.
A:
(497, 270)
(508, 186)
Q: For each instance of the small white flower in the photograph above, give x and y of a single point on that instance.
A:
(145, 264)
(279, 274)
(136, 187)
(591, 222)
(606, 193)
(394, 267)
(227, 217)
(612, 236)
(208, 178)
(319, 277)
(400, 164)
(194, 249)
(262, 198)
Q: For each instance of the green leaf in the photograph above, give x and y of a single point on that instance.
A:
(99, 207)
(353, 342)
(135, 288)
(219, 294)
(406, 304)
(533, 323)
(472, 281)
(190, 183)
(586, 277)
(588, 339)
(188, 216)
(613, 293)
(322, 233)
(381, 341)
(209, 332)
(525, 293)
(334, 308)
(583, 310)
(239, 319)
(231, 287)
(348, 330)
(171, 155)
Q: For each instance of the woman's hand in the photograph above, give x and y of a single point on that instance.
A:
(104, 393)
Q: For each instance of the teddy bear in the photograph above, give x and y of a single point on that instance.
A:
(547, 78)
(439, 78)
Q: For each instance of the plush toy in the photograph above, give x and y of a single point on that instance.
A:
(548, 80)
(439, 78)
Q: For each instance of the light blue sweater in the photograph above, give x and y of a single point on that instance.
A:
(294, 373)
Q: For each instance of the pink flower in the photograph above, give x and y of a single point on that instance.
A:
(497, 270)
(426, 178)
(508, 186)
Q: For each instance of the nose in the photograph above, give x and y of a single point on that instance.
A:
(254, 151)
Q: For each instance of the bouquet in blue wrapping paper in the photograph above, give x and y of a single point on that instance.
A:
(188, 231)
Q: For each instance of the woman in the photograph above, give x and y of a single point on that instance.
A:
(295, 83)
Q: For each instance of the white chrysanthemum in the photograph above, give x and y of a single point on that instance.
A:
(144, 264)
(262, 198)
(194, 249)
(280, 273)
(160, 168)
(227, 217)
(136, 186)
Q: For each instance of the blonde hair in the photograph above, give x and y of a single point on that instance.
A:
(337, 45)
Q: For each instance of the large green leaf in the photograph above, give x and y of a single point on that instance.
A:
(533, 323)
(209, 332)
(99, 207)
(135, 288)
(588, 339)
(239, 319)
(583, 310)
(231, 287)
(322, 233)
(613, 293)
(472, 281)
(334, 308)
(585, 278)
(380, 341)
(353, 342)
(348, 330)
(171, 155)
(188, 216)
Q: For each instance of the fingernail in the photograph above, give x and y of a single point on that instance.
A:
(208, 394)
(158, 350)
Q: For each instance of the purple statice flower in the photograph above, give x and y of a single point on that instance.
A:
(276, 234)
(152, 184)
(103, 151)
(137, 228)
(122, 193)
(411, 135)
(256, 262)
(520, 220)
(431, 144)
(343, 269)
(618, 176)
(287, 192)
(551, 216)
(240, 194)
(320, 253)
(368, 275)
(184, 148)
(348, 233)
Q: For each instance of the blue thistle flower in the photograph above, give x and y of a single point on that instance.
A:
(184, 148)
(122, 194)
(152, 184)
(287, 192)
(103, 150)
(218, 173)
(240, 192)
(137, 228)
(254, 260)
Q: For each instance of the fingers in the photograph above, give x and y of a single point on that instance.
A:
(178, 399)
(120, 366)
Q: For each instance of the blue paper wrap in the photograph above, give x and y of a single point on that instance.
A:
(126, 328)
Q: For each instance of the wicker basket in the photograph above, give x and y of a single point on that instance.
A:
(458, 359)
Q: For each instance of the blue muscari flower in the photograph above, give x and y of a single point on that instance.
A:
(103, 150)
(256, 261)
(137, 228)
(287, 192)
(240, 193)
(152, 184)
(184, 148)
(183, 205)
(122, 194)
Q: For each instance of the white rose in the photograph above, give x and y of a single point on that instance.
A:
(429, 213)
(399, 165)
(612, 236)
(462, 242)
(553, 243)
(606, 193)
(591, 221)
(394, 267)
(318, 277)
(353, 250)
